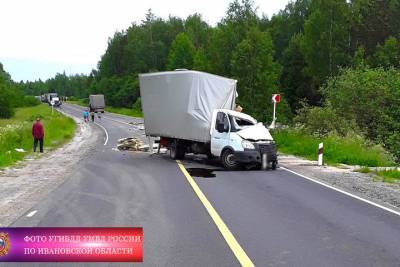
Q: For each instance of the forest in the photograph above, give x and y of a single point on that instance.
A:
(335, 63)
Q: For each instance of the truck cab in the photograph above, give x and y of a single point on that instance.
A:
(237, 138)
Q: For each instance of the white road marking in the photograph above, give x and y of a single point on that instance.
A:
(344, 192)
(30, 214)
(105, 143)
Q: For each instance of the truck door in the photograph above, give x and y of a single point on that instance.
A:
(220, 134)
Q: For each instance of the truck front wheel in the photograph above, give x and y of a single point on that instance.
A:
(228, 160)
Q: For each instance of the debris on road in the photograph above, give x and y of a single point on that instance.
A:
(129, 143)
(135, 144)
(20, 150)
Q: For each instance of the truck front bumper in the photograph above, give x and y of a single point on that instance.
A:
(247, 156)
(255, 155)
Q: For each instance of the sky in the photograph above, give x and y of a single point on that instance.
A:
(43, 37)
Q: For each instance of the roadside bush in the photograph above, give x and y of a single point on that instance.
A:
(31, 101)
(370, 97)
(351, 149)
(322, 121)
(138, 104)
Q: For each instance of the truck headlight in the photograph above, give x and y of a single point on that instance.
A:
(247, 144)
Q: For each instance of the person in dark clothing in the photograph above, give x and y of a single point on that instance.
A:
(92, 115)
(38, 135)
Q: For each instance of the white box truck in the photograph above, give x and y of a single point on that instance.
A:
(52, 99)
(193, 112)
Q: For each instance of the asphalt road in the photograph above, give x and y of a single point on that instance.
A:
(278, 218)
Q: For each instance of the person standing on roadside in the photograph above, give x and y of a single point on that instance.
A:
(38, 135)
(86, 116)
(92, 115)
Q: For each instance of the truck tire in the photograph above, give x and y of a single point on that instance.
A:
(228, 160)
(274, 164)
(176, 151)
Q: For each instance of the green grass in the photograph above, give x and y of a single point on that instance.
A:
(352, 150)
(389, 176)
(17, 132)
(363, 170)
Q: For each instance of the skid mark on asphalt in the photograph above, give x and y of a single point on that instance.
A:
(240, 254)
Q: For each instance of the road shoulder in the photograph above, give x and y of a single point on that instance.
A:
(24, 184)
(360, 184)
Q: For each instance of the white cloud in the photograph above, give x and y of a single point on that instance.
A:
(75, 32)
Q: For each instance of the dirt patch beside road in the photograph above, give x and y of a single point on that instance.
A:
(23, 185)
(360, 184)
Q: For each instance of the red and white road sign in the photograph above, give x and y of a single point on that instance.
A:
(276, 98)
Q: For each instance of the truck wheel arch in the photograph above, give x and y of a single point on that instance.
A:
(226, 148)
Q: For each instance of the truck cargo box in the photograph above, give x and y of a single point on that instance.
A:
(96, 103)
(180, 104)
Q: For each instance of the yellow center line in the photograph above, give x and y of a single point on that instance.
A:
(240, 254)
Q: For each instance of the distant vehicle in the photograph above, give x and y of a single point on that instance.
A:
(52, 99)
(193, 112)
(55, 101)
(96, 103)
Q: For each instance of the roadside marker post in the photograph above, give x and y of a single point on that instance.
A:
(320, 154)
(276, 98)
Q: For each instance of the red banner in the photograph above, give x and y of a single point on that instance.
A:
(71, 244)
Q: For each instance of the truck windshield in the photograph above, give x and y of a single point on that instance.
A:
(238, 124)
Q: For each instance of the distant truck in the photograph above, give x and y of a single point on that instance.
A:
(52, 99)
(193, 112)
(96, 103)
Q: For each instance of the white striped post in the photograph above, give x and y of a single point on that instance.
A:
(320, 154)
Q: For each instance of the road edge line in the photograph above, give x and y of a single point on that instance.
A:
(237, 250)
(30, 214)
(101, 126)
(343, 192)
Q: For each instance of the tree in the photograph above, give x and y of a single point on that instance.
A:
(388, 54)
(181, 53)
(200, 61)
(257, 73)
(326, 38)
(197, 30)
(296, 84)
(287, 23)
(373, 21)
(6, 110)
(240, 18)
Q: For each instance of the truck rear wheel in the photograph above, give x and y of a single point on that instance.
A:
(274, 164)
(176, 151)
(228, 160)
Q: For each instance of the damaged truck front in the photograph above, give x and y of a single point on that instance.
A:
(193, 112)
